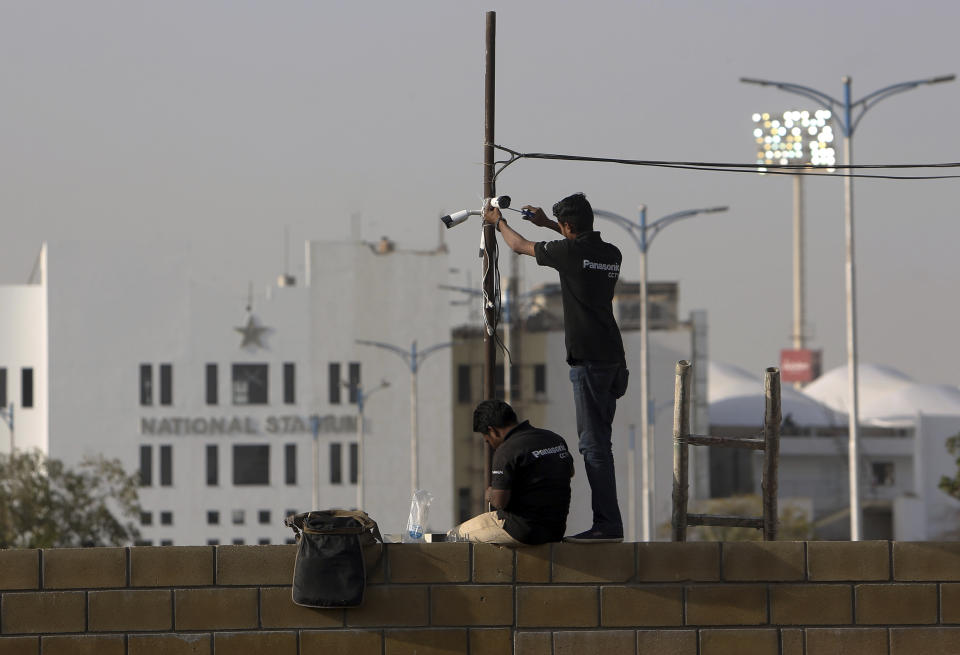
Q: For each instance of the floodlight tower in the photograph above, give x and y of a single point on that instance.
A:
(796, 137)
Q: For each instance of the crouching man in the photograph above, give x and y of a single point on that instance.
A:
(530, 481)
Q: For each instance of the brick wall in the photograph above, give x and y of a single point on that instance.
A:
(677, 599)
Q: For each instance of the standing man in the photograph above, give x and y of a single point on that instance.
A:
(589, 268)
(530, 485)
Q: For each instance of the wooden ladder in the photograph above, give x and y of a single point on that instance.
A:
(768, 441)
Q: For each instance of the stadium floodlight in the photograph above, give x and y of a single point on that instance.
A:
(795, 138)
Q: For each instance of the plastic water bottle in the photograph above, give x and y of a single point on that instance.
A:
(419, 509)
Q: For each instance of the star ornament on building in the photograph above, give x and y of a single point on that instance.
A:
(252, 333)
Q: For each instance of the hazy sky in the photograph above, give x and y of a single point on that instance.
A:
(223, 122)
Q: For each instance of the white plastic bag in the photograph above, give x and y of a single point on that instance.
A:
(417, 521)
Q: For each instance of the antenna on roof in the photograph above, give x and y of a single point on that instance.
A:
(286, 280)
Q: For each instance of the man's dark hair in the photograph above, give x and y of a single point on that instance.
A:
(492, 414)
(576, 212)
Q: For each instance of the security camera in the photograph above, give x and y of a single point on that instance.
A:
(458, 217)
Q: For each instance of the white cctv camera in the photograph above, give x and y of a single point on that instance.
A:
(458, 217)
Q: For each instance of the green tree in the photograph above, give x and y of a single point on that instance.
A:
(951, 486)
(44, 504)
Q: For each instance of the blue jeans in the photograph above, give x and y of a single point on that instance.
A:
(596, 387)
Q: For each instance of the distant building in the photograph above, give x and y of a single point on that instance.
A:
(209, 388)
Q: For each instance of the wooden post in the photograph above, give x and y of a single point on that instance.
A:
(489, 234)
(771, 455)
(681, 429)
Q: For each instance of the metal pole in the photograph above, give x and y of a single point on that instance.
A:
(854, 446)
(315, 427)
(414, 437)
(681, 430)
(771, 454)
(645, 413)
(489, 233)
(799, 338)
(632, 483)
(360, 477)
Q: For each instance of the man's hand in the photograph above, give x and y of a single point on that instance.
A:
(498, 498)
(536, 216)
(491, 215)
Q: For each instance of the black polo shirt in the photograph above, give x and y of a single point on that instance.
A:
(536, 467)
(588, 268)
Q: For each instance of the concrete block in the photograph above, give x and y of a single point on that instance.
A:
(84, 568)
(885, 604)
(170, 644)
(809, 604)
(791, 641)
(492, 563)
(643, 605)
(20, 645)
(933, 561)
(83, 645)
(532, 643)
(594, 641)
(255, 565)
(846, 641)
(255, 643)
(739, 642)
(594, 562)
(171, 566)
(457, 605)
(491, 641)
(391, 605)
(43, 612)
(557, 606)
(429, 563)
(676, 562)
(215, 609)
(950, 603)
(762, 561)
(534, 563)
(277, 610)
(854, 561)
(441, 641)
(910, 641)
(19, 569)
(329, 642)
(126, 610)
(667, 642)
(727, 605)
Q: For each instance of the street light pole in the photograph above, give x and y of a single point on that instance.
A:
(413, 358)
(643, 235)
(849, 124)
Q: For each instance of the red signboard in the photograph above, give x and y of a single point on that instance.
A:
(799, 365)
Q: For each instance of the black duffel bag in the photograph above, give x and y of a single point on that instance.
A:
(333, 548)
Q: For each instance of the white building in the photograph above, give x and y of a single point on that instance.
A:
(149, 353)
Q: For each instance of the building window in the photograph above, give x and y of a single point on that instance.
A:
(289, 384)
(213, 465)
(263, 516)
(251, 465)
(540, 378)
(290, 512)
(290, 541)
(143, 542)
(3, 387)
(290, 463)
(500, 383)
(213, 542)
(464, 392)
(336, 463)
(882, 474)
(166, 384)
(263, 541)
(211, 376)
(213, 517)
(238, 517)
(354, 372)
(146, 518)
(146, 384)
(333, 378)
(166, 466)
(237, 542)
(250, 384)
(26, 387)
(166, 518)
(354, 462)
(146, 466)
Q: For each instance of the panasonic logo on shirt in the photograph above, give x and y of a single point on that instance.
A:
(613, 269)
(550, 451)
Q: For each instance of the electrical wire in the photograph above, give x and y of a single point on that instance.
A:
(725, 167)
